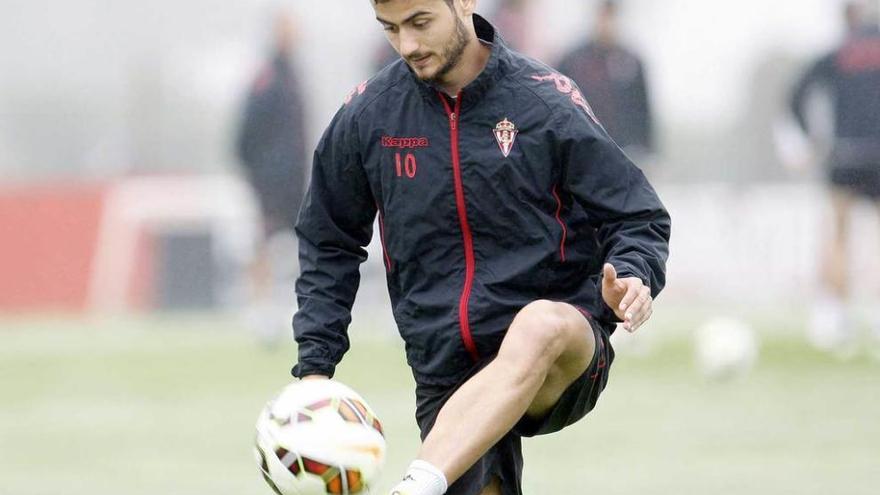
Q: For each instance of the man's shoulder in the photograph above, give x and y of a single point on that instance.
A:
(584, 49)
(628, 54)
(393, 78)
(554, 89)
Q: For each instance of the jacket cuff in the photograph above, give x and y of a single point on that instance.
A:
(626, 270)
(606, 314)
(305, 369)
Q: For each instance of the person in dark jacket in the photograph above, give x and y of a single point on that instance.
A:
(271, 149)
(851, 76)
(515, 236)
(613, 80)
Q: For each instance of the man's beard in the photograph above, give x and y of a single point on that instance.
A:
(452, 53)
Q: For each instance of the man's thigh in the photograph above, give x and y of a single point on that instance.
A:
(851, 183)
(581, 396)
(580, 349)
(503, 461)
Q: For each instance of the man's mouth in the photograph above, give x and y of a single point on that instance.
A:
(420, 62)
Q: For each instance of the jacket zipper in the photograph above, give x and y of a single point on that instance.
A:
(467, 238)
(561, 224)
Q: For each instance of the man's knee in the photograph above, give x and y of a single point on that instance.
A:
(568, 350)
(539, 324)
(546, 328)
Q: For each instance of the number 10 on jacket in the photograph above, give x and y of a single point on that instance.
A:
(405, 165)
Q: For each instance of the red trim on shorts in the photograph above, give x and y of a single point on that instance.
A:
(584, 311)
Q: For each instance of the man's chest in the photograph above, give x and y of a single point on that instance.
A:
(424, 157)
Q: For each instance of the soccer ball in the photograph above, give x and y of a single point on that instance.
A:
(725, 348)
(319, 437)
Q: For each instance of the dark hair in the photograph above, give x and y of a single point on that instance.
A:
(609, 6)
(448, 2)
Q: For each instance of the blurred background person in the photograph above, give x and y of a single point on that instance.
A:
(850, 76)
(382, 56)
(513, 21)
(612, 78)
(271, 149)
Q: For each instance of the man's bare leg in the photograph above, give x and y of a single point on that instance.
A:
(547, 347)
(828, 326)
(875, 323)
(835, 264)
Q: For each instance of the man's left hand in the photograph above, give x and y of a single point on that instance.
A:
(628, 297)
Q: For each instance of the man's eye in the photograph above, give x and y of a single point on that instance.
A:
(390, 29)
(420, 24)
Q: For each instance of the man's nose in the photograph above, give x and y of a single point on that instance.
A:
(409, 44)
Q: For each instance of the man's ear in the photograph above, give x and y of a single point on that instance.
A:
(467, 6)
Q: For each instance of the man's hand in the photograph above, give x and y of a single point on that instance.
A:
(629, 298)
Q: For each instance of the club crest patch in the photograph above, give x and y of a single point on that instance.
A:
(505, 133)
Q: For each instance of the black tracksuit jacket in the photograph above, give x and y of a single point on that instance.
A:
(473, 227)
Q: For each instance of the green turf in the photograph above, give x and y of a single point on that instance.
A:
(166, 405)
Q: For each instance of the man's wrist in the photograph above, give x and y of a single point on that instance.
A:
(302, 370)
(606, 312)
(315, 377)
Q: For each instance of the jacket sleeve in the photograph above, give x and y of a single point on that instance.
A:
(642, 110)
(298, 124)
(259, 115)
(631, 224)
(821, 72)
(250, 129)
(334, 226)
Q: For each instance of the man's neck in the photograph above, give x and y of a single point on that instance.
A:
(473, 61)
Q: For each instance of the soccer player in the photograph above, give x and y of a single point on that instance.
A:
(613, 80)
(851, 74)
(515, 236)
(271, 149)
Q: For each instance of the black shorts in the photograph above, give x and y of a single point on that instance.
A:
(504, 460)
(863, 181)
(279, 197)
(854, 165)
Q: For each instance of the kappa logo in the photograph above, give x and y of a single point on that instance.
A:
(357, 91)
(405, 142)
(505, 133)
(565, 86)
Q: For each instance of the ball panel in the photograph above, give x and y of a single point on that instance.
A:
(334, 486)
(355, 483)
(348, 413)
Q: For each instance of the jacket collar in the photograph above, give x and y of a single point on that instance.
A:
(494, 70)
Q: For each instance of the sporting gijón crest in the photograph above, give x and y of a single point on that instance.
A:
(505, 133)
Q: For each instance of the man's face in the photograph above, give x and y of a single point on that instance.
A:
(285, 32)
(606, 31)
(429, 34)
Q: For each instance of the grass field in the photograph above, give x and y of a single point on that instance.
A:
(166, 405)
